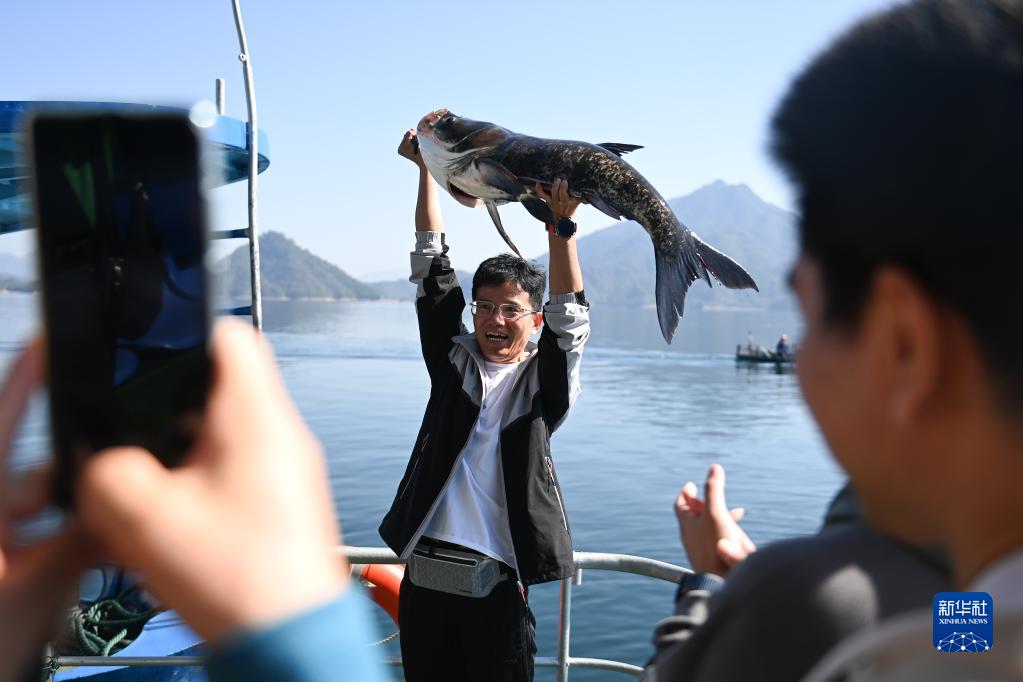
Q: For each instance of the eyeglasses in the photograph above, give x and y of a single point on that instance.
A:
(509, 311)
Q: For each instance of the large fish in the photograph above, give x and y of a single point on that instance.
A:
(478, 162)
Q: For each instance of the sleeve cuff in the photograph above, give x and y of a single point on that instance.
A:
(430, 242)
(571, 297)
(705, 582)
(312, 646)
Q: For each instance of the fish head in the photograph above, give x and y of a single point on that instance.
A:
(449, 143)
(447, 129)
(427, 123)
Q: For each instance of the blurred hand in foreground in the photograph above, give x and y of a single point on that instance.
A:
(242, 535)
(39, 581)
(711, 535)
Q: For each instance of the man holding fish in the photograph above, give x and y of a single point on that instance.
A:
(478, 515)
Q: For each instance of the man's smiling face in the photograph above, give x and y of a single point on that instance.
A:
(502, 339)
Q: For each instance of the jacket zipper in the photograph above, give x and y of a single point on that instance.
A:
(408, 482)
(557, 493)
(412, 474)
(451, 474)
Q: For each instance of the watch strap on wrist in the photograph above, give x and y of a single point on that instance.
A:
(565, 228)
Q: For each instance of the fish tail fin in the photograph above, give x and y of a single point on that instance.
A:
(725, 270)
(693, 260)
(675, 272)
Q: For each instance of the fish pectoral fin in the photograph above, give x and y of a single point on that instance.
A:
(497, 176)
(462, 197)
(597, 202)
(539, 209)
(619, 148)
(496, 217)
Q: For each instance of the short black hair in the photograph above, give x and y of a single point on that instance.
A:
(508, 268)
(904, 140)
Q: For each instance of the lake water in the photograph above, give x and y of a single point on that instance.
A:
(650, 417)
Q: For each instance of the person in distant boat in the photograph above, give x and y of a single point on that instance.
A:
(240, 540)
(782, 348)
(479, 514)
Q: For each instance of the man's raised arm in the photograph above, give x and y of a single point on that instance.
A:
(566, 315)
(565, 275)
(439, 299)
(428, 215)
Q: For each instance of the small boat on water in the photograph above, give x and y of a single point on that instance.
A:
(754, 354)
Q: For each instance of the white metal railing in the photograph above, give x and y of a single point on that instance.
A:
(624, 563)
(563, 662)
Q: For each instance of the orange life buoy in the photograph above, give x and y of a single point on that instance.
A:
(384, 584)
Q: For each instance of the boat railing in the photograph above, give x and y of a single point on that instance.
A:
(562, 662)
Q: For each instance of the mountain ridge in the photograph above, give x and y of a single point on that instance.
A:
(288, 272)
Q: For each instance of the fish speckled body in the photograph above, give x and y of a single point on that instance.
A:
(479, 162)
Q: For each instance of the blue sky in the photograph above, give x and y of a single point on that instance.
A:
(339, 82)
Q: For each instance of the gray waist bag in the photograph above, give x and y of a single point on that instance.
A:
(466, 574)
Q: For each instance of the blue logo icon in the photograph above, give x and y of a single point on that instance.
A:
(964, 622)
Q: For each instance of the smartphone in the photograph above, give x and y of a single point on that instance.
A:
(121, 226)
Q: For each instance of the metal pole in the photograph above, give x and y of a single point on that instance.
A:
(220, 97)
(129, 661)
(253, 145)
(564, 629)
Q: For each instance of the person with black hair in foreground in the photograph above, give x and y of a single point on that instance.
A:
(904, 142)
(479, 514)
(905, 145)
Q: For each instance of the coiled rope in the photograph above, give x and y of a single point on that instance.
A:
(106, 626)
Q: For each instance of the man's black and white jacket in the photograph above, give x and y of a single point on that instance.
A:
(545, 387)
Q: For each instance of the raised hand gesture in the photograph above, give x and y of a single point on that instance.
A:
(711, 535)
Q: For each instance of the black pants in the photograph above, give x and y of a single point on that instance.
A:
(448, 638)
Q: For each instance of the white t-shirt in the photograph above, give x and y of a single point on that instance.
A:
(472, 510)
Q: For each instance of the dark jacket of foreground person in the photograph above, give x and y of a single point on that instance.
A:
(786, 605)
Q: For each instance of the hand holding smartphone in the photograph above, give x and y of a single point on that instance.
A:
(122, 238)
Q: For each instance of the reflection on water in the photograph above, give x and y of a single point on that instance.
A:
(310, 317)
(650, 417)
(760, 367)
